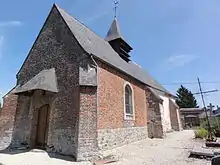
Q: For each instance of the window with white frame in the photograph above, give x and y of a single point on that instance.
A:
(128, 101)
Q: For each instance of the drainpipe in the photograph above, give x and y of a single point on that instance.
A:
(91, 55)
(96, 68)
(96, 76)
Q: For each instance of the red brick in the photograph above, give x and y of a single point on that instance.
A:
(8, 112)
(111, 98)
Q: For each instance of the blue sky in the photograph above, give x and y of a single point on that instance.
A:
(175, 41)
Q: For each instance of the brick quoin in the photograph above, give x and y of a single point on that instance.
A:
(111, 99)
(87, 134)
(8, 112)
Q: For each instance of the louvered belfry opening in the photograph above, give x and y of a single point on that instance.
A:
(117, 42)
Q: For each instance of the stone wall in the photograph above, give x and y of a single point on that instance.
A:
(55, 47)
(111, 99)
(175, 116)
(155, 128)
(22, 122)
(111, 138)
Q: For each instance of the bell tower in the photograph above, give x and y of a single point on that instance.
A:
(116, 40)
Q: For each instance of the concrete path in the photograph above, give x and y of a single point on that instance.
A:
(173, 150)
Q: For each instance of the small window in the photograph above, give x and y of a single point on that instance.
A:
(129, 109)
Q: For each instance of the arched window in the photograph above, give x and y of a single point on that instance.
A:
(129, 108)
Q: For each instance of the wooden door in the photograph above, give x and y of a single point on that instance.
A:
(42, 125)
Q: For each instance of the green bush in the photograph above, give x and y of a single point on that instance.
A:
(214, 123)
(201, 133)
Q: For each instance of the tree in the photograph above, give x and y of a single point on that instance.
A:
(0, 106)
(185, 98)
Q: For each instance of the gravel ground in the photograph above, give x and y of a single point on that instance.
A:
(173, 150)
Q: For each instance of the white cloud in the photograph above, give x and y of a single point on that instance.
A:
(180, 60)
(10, 23)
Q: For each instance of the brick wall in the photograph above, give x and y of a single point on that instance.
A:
(87, 132)
(113, 129)
(8, 112)
(111, 99)
(7, 116)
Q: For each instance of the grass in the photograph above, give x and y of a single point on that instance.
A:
(201, 133)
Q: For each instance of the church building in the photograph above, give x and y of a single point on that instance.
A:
(80, 94)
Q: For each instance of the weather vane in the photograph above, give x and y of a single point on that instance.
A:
(116, 6)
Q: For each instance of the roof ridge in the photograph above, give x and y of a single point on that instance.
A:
(84, 35)
(59, 8)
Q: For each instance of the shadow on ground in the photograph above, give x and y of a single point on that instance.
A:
(10, 151)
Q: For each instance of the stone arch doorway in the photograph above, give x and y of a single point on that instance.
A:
(42, 126)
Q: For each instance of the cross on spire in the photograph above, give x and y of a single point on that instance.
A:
(116, 6)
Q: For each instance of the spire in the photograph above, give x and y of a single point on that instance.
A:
(117, 42)
(114, 31)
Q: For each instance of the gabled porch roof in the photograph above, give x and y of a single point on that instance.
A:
(44, 80)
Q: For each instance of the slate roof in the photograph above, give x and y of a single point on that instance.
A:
(114, 31)
(101, 49)
(45, 80)
(191, 109)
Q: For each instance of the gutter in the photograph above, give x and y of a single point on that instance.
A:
(129, 75)
(91, 55)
